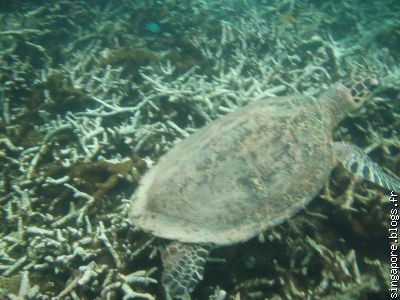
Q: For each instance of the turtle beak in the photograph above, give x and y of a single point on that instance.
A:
(372, 83)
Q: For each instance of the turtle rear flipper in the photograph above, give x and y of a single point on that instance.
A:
(183, 268)
(357, 162)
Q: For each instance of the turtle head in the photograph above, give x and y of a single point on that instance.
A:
(347, 96)
(359, 90)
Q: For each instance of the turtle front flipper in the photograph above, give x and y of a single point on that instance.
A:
(357, 162)
(183, 268)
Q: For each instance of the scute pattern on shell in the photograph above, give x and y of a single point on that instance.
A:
(237, 176)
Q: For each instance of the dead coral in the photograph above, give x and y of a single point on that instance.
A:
(131, 60)
(100, 177)
(62, 96)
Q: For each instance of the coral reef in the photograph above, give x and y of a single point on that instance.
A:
(89, 98)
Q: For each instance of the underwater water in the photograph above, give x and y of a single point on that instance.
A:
(93, 93)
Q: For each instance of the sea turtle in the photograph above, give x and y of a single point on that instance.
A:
(244, 173)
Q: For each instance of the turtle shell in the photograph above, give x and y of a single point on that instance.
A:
(239, 175)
